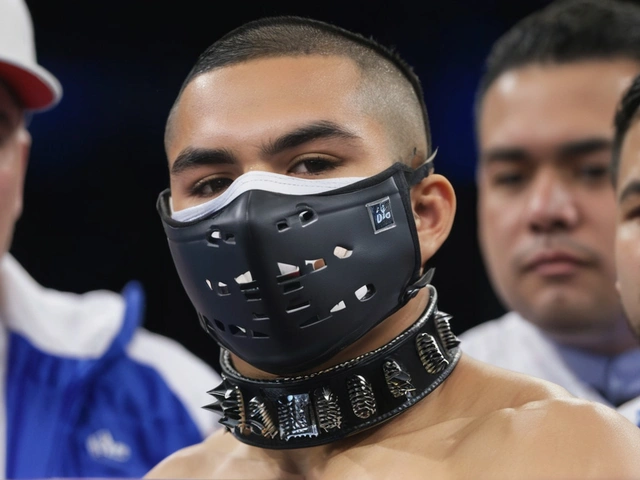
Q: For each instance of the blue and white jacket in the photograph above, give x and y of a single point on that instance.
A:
(86, 392)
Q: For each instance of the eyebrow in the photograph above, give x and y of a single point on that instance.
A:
(305, 134)
(632, 188)
(504, 154)
(585, 146)
(566, 150)
(194, 157)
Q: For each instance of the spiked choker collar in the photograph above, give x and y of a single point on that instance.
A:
(329, 405)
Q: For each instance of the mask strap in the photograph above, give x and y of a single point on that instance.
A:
(422, 171)
(416, 177)
(419, 284)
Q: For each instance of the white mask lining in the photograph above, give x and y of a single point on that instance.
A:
(270, 182)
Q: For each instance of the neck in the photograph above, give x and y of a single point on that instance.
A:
(346, 398)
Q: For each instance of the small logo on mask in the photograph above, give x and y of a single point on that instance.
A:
(381, 215)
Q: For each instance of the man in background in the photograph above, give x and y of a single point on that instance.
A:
(85, 391)
(546, 208)
(625, 171)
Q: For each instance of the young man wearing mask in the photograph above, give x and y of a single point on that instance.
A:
(301, 215)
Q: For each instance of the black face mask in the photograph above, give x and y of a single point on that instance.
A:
(285, 282)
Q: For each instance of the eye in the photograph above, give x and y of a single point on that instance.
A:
(632, 213)
(508, 179)
(594, 172)
(210, 187)
(313, 166)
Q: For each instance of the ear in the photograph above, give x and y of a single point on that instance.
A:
(434, 208)
(24, 146)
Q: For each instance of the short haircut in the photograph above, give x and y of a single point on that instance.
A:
(627, 112)
(290, 36)
(565, 31)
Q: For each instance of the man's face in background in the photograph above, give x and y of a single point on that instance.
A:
(546, 207)
(628, 226)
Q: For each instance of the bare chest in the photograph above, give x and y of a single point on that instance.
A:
(371, 462)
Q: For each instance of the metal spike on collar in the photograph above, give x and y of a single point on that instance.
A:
(361, 396)
(430, 355)
(261, 420)
(397, 378)
(327, 409)
(230, 404)
(296, 417)
(220, 391)
(214, 407)
(448, 338)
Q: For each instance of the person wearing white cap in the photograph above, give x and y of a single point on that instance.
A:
(85, 391)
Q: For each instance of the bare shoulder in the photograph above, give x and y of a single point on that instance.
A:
(576, 438)
(219, 456)
(571, 419)
(178, 465)
(195, 461)
(541, 429)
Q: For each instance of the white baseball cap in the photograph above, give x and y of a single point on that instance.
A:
(36, 87)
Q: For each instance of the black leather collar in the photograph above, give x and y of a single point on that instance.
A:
(323, 407)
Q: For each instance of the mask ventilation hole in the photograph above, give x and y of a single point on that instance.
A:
(287, 272)
(237, 331)
(292, 287)
(317, 264)
(251, 291)
(342, 252)
(223, 289)
(248, 286)
(338, 306)
(259, 335)
(209, 284)
(307, 216)
(365, 292)
(298, 306)
(246, 277)
(214, 237)
(219, 325)
(230, 238)
(259, 317)
(282, 225)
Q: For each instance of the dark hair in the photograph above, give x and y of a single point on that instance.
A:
(565, 31)
(626, 114)
(292, 36)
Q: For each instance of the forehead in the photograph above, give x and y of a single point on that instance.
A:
(260, 97)
(540, 106)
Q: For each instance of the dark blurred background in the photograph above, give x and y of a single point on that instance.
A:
(98, 162)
